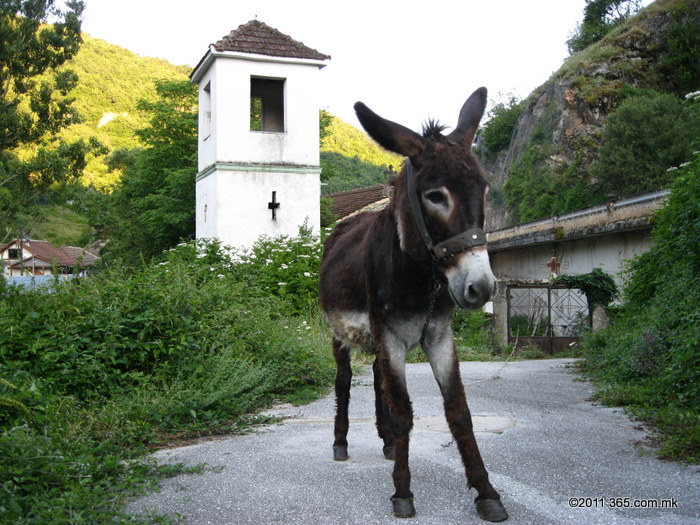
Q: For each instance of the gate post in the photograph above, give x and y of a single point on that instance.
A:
(500, 314)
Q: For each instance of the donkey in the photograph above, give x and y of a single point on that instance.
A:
(389, 282)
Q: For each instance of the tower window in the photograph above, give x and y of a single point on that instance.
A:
(205, 110)
(266, 104)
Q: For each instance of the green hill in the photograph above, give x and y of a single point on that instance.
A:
(350, 159)
(111, 82)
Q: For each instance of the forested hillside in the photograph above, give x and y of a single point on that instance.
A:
(111, 81)
(350, 159)
(114, 88)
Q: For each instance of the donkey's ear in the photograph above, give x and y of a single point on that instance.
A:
(388, 134)
(469, 117)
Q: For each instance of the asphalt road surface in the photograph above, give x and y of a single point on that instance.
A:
(555, 457)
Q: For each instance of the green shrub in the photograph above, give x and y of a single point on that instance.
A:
(103, 366)
(498, 130)
(642, 138)
(649, 360)
(599, 287)
(285, 267)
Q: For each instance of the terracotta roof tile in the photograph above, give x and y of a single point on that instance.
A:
(65, 256)
(258, 38)
(348, 202)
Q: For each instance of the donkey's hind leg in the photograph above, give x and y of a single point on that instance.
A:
(382, 411)
(343, 379)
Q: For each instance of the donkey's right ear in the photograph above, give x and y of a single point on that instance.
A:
(388, 134)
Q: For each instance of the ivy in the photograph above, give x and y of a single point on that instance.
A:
(599, 287)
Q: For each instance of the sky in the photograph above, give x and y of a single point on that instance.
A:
(406, 63)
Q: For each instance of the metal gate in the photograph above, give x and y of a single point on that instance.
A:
(549, 316)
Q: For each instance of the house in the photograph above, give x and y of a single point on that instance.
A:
(31, 257)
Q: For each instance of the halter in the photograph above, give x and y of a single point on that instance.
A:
(444, 250)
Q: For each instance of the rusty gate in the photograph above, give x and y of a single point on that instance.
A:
(552, 317)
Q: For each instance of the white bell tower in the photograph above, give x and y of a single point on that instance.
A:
(258, 169)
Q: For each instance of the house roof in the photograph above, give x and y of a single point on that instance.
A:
(346, 203)
(84, 257)
(66, 256)
(48, 252)
(258, 38)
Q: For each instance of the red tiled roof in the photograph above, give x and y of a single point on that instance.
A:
(348, 202)
(65, 256)
(84, 257)
(47, 251)
(258, 38)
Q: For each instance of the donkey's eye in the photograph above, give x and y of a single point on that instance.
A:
(436, 197)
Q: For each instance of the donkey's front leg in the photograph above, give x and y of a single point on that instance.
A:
(443, 360)
(392, 363)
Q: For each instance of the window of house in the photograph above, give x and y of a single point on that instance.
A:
(13, 253)
(266, 104)
(205, 109)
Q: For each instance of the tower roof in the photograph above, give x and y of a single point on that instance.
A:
(258, 38)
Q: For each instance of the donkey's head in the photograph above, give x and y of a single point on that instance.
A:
(446, 184)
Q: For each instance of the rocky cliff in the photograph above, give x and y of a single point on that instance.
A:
(559, 131)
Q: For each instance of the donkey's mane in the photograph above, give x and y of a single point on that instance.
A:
(432, 129)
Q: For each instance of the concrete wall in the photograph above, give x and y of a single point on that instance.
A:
(609, 252)
(579, 256)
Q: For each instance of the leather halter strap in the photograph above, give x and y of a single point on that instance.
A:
(452, 246)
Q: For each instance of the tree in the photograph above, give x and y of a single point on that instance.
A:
(153, 208)
(599, 18)
(33, 111)
(498, 130)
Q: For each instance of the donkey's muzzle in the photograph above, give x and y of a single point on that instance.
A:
(478, 292)
(471, 282)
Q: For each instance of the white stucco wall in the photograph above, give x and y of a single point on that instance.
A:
(239, 168)
(231, 139)
(233, 205)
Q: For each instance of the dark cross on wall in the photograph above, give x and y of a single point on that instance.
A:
(274, 205)
(554, 265)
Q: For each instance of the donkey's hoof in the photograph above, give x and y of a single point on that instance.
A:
(491, 510)
(403, 507)
(389, 452)
(340, 453)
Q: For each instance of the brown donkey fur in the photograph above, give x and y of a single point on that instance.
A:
(383, 291)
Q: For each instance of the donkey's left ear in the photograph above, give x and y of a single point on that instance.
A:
(469, 117)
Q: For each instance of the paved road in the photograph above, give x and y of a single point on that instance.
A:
(542, 441)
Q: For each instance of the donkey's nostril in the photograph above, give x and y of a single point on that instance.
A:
(477, 292)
